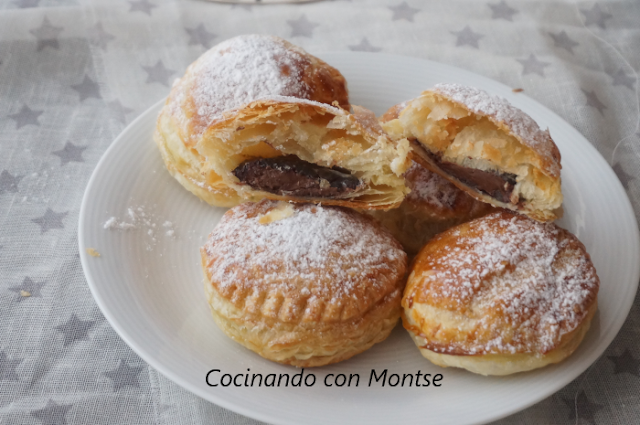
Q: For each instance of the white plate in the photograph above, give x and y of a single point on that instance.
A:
(152, 294)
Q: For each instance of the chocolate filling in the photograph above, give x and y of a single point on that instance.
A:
(291, 176)
(497, 185)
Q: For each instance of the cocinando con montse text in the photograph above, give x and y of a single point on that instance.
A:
(380, 378)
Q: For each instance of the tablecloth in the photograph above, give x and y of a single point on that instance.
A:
(74, 73)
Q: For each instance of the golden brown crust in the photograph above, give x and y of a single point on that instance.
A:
(210, 87)
(393, 112)
(303, 284)
(501, 285)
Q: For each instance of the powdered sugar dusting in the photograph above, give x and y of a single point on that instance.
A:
(322, 254)
(242, 69)
(500, 111)
(526, 283)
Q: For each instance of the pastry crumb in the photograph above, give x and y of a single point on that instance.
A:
(518, 90)
(142, 219)
(25, 293)
(92, 252)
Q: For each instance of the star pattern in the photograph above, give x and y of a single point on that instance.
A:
(8, 368)
(625, 362)
(585, 409)
(144, 6)
(50, 220)
(99, 37)
(158, 73)
(8, 182)
(200, 35)
(24, 4)
(467, 37)
(26, 116)
(595, 16)
(124, 376)
(403, 11)
(70, 153)
(31, 287)
(622, 79)
(53, 413)
(87, 89)
(75, 329)
(364, 46)
(592, 100)
(502, 11)
(47, 35)
(302, 27)
(532, 65)
(624, 179)
(119, 111)
(563, 41)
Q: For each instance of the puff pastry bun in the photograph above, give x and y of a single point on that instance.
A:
(302, 284)
(433, 206)
(485, 146)
(500, 294)
(228, 76)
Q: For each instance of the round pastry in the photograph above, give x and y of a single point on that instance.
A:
(298, 150)
(485, 146)
(500, 294)
(433, 206)
(231, 74)
(303, 284)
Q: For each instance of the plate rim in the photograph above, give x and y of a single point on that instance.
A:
(258, 415)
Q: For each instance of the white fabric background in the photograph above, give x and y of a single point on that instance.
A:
(73, 73)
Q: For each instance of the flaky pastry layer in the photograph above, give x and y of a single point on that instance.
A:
(305, 344)
(504, 364)
(466, 127)
(185, 165)
(314, 133)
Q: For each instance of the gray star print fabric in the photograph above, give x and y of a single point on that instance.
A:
(74, 73)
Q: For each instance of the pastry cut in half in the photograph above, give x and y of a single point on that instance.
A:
(303, 284)
(500, 294)
(485, 146)
(297, 150)
(228, 76)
